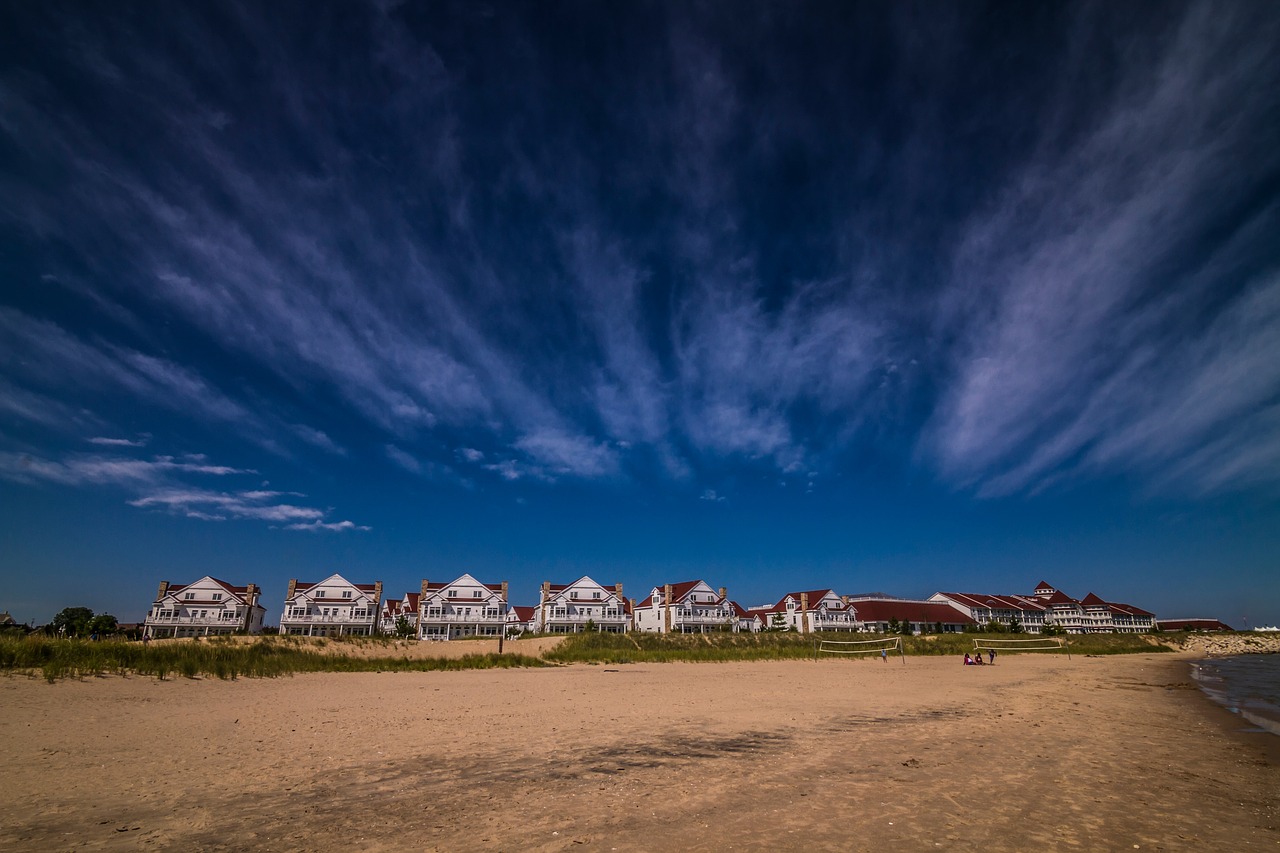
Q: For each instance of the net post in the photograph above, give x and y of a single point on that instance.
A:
(1066, 644)
(902, 653)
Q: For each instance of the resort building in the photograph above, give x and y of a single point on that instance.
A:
(395, 609)
(205, 608)
(332, 607)
(880, 614)
(462, 608)
(983, 609)
(570, 608)
(521, 620)
(1049, 606)
(691, 607)
(808, 613)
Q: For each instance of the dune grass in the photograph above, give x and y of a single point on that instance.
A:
(265, 658)
(662, 648)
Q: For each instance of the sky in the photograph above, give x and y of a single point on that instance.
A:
(896, 297)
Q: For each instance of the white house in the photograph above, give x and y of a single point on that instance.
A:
(808, 612)
(462, 608)
(205, 608)
(332, 607)
(745, 619)
(395, 609)
(521, 620)
(568, 608)
(1049, 606)
(691, 607)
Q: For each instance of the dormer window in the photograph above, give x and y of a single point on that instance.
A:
(574, 595)
(453, 593)
(595, 595)
(475, 593)
(346, 593)
(217, 596)
(320, 594)
(188, 596)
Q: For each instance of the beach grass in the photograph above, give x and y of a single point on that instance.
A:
(662, 648)
(266, 657)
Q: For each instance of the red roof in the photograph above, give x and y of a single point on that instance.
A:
(1129, 609)
(679, 591)
(1093, 600)
(1194, 625)
(994, 602)
(524, 614)
(1044, 585)
(931, 612)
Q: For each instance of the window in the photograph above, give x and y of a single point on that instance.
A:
(574, 595)
(595, 595)
(217, 596)
(346, 593)
(453, 593)
(475, 593)
(320, 594)
(187, 596)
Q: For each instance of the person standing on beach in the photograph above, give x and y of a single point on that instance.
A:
(884, 655)
(991, 655)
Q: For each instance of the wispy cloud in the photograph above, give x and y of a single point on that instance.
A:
(1082, 346)
(163, 483)
(106, 441)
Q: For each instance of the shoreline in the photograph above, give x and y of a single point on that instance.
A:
(1095, 752)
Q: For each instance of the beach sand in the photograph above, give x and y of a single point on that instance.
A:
(1035, 752)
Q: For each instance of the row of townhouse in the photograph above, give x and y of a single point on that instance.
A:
(467, 607)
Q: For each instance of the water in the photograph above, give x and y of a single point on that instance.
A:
(1248, 685)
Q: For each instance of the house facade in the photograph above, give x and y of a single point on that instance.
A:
(521, 620)
(807, 612)
(573, 607)
(1049, 606)
(690, 607)
(395, 609)
(332, 607)
(464, 607)
(205, 608)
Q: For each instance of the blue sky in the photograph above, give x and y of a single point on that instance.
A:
(897, 297)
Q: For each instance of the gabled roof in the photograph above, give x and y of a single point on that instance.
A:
(680, 591)
(237, 592)
(740, 611)
(1093, 600)
(303, 586)
(987, 601)
(1045, 586)
(1129, 609)
(1058, 597)
(523, 614)
(931, 612)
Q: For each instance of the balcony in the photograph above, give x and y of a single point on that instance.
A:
(579, 619)
(464, 618)
(224, 620)
(330, 619)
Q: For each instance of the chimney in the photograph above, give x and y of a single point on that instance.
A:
(804, 613)
(724, 593)
(250, 599)
(504, 591)
(164, 587)
(617, 589)
(422, 593)
(293, 587)
(666, 608)
(546, 591)
(377, 596)
(844, 599)
(544, 596)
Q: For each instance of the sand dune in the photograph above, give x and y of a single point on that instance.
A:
(1092, 753)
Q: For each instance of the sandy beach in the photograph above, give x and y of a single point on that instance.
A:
(1035, 752)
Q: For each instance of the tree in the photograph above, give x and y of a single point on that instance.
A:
(403, 628)
(1051, 630)
(995, 626)
(1015, 625)
(590, 626)
(904, 628)
(893, 626)
(73, 621)
(102, 624)
(778, 622)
